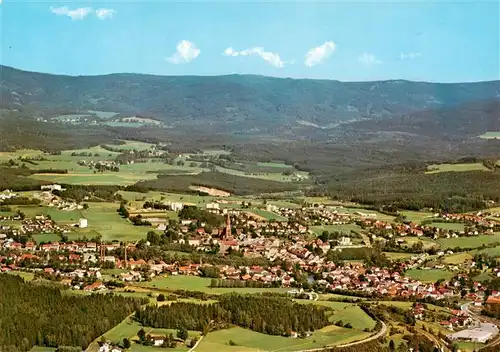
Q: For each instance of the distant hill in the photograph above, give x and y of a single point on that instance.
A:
(235, 103)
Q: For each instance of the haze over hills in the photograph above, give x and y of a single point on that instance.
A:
(236, 103)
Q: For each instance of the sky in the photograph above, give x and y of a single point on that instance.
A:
(452, 41)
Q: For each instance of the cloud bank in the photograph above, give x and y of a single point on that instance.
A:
(319, 54)
(270, 57)
(186, 52)
(82, 12)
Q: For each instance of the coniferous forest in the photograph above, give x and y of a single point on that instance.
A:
(35, 314)
(271, 315)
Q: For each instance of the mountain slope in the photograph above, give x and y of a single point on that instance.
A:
(234, 102)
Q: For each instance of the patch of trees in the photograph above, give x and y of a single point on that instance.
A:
(50, 171)
(42, 315)
(156, 205)
(231, 183)
(95, 193)
(242, 283)
(139, 221)
(266, 314)
(193, 212)
(21, 201)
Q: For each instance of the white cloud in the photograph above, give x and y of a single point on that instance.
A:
(103, 14)
(409, 56)
(272, 58)
(368, 59)
(76, 14)
(318, 54)
(186, 52)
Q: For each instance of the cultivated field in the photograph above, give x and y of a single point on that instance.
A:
(453, 226)
(436, 168)
(345, 228)
(268, 215)
(468, 242)
(429, 275)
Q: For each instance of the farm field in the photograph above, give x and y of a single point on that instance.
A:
(344, 228)
(457, 258)
(378, 216)
(27, 276)
(468, 242)
(268, 215)
(131, 145)
(430, 275)
(195, 283)
(46, 237)
(490, 135)
(251, 341)
(272, 176)
(426, 241)
(436, 168)
(104, 220)
(399, 256)
(453, 226)
(42, 349)
(470, 346)
(493, 251)
(416, 216)
(276, 165)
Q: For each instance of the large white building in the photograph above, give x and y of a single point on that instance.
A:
(83, 223)
(482, 333)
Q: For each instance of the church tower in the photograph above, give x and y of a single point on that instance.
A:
(228, 233)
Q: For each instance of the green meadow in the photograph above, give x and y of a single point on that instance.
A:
(436, 168)
(429, 275)
(468, 242)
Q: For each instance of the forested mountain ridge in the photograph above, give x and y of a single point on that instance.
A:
(243, 100)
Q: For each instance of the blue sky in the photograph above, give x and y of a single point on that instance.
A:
(348, 41)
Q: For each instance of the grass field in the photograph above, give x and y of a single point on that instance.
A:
(168, 197)
(470, 346)
(42, 349)
(251, 341)
(493, 251)
(426, 241)
(46, 237)
(399, 256)
(416, 216)
(268, 215)
(355, 316)
(131, 145)
(453, 226)
(195, 283)
(436, 168)
(431, 275)
(457, 258)
(490, 135)
(105, 221)
(468, 242)
(27, 276)
(272, 176)
(276, 165)
(345, 228)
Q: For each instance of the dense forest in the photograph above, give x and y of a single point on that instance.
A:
(267, 314)
(36, 314)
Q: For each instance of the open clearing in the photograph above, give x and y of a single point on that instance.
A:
(104, 220)
(399, 256)
(429, 275)
(251, 341)
(468, 242)
(344, 228)
(457, 258)
(436, 168)
(416, 216)
(46, 237)
(453, 226)
(268, 215)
